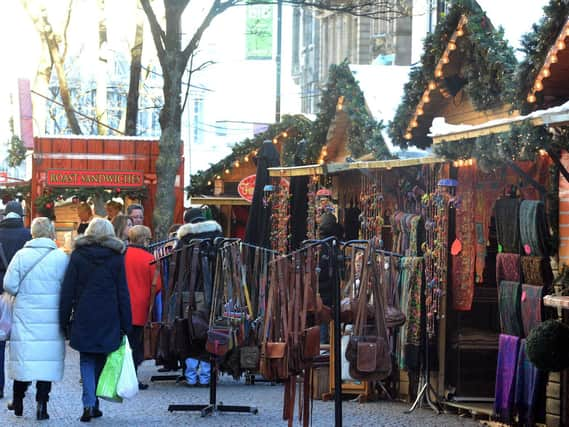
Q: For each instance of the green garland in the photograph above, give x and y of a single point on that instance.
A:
(364, 133)
(16, 152)
(51, 195)
(536, 45)
(522, 142)
(20, 191)
(488, 66)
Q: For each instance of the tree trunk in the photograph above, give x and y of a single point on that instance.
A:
(135, 69)
(101, 97)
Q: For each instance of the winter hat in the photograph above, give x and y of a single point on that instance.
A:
(194, 215)
(14, 207)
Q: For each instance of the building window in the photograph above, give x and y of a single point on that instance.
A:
(197, 121)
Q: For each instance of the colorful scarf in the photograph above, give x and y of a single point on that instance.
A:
(531, 306)
(533, 228)
(463, 264)
(509, 302)
(537, 271)
(410, 337)
(507, 224)
(529, 392)
(508, 349)
(507, 267)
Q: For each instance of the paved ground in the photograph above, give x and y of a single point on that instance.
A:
(149, 407)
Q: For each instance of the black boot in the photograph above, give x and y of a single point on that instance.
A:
(42, 411)
(87, 415)
(17, 405)
(96, 411)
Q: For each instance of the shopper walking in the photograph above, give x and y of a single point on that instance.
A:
(37, 346)
(197, 227)
(13, 235)
(95, 305)
(139, 276)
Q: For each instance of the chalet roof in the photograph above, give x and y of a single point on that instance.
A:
(464, 72)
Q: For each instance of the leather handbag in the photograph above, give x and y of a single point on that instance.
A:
(368, 354)
(310, 343)
(394, 317)
(219, 341)
(249, 357)
(151, 329)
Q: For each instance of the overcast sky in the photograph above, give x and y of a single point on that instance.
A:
(516, 16)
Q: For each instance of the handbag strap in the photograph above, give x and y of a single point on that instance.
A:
(35, 263)
(361, 316)
(153, 291)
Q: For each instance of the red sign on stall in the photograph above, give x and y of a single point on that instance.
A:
(109, 179)
(246, 187)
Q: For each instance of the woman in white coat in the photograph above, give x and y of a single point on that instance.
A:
(37, 346)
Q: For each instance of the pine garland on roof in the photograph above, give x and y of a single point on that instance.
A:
(536, 45)
(488, 64)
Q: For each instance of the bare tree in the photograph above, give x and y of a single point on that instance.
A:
(135, 71)
(101, 76)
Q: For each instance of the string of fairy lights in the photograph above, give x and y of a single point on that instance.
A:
(438, 76)
(552, 58)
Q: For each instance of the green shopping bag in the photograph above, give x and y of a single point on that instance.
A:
(107, 385)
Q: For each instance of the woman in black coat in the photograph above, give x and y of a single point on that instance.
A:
(95, 304)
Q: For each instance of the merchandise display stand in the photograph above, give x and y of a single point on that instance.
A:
(213, 407)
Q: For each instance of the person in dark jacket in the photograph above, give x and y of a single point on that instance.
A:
(327, 227)
(13, 236)
(196, 226)
(95, 305)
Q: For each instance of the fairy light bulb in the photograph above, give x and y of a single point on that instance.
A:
(538, 85)
(408, 135)
(275, 140)
(553, 59)
(237, 164)
(531, 98)
(285, 134)
(545, 72)
(451, 45)
(445, 59)
(209, 183)
(246, 158)
(459, 32)
(426, 98)
(432, 85)
(217, 177)
(561, 45)
(438, 73)
(420, 111)
(566, 31)
(227, 171)
(414, 123)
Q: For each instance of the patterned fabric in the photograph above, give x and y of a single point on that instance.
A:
(531, 306)
(508, 349)
(533, 227)
(414, 236)
(509, 302)
(410, 336)
(529, 395)
(507, 267)
(507, 224)
(537, 271)
(463, 264)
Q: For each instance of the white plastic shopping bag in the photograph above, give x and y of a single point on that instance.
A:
(6, 309)
(127, 387)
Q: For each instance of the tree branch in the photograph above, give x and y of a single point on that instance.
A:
(158, 34)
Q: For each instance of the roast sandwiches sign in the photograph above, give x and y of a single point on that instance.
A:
(101, 178)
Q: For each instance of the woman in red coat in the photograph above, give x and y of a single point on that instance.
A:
(139, 276)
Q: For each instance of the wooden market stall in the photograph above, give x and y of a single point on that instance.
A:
(121, 165)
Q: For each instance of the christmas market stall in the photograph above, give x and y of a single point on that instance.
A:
(505, 232)
(95, 169)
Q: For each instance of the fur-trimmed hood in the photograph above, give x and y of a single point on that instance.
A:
(198, 228)
(110, 242)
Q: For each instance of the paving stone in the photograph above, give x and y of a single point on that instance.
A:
(150, 407)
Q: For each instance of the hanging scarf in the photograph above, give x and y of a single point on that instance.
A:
(507, 267)
(531, 306)
(533, 228)
(410, 338)
(508, 348)
(507, 227)
(537, 271)
(415, 222)
(529, 395)
(509, 302)
(463, 264)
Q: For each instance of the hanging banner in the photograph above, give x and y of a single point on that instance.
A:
(110, 179)
(259, 31)
(246, 187)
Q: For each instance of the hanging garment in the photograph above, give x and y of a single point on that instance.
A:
(507, 267)
(410, 338)
(533, 228)
(509, 302)
(531, 306)
(537, 271)
(508, 349)
(507, 226)
(529, 395)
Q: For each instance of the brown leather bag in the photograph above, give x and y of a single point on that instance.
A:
(369, 354)
(151, 329)
(394, 317)
(249, 357)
